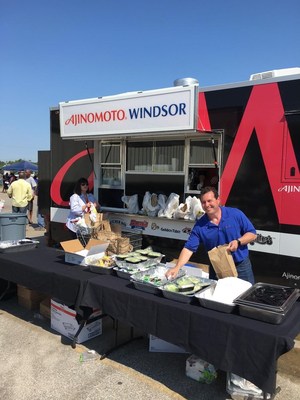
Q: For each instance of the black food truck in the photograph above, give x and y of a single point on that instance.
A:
(242, 138)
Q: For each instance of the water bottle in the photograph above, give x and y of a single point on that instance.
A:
(90, 355)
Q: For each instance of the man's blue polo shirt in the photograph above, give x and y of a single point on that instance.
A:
(233, 225)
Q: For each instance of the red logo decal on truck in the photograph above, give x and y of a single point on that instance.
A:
(57, 181)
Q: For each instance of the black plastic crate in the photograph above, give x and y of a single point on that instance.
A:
(135, 237)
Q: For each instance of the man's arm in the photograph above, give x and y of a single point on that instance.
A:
(247, 238)
(29, 193)
(184, 257)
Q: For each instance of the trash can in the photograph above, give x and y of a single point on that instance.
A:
(13, 226)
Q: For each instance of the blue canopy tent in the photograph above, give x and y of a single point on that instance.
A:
(20, 166)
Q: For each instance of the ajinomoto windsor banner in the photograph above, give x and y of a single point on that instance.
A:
(163, 110)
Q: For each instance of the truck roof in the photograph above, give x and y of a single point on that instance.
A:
(261, 78)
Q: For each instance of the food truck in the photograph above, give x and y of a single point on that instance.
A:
(242, 138)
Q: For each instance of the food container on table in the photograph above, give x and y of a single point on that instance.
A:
(123, 272)
(144, 252)
(152, 279)
(137, 260)
(268, 296)
(101, 270)
(126, 273)
(172, 290)
(133, 262)
(220, 296)
(15, 246)
(93, 264)
(273, 317)
(267, 302)
(121, 257)
(205, 300)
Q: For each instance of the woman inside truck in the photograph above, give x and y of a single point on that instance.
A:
(81, 202)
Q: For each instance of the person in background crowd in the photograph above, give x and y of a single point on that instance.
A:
(33, 185)
(5, 182)
(80, 203)
(220, 225)
(21, 193)
(12, 178)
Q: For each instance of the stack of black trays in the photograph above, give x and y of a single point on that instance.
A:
(267, 302)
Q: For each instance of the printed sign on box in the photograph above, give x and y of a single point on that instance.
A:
(63, 320)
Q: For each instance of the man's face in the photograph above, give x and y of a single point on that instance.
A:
(209, 203)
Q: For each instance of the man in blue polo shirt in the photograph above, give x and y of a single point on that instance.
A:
(220, 225)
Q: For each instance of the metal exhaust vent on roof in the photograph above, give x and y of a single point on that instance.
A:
(275, 73)
(186, 82)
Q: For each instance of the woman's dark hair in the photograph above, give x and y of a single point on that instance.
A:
(77, 188)
(207, 189)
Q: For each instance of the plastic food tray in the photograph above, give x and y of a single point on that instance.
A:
(123, 273)
(139, 266)
(14, 246)
(98, 269)
(146, 287)
(101, 270)
(185, 297)
(282, 305)
(271, 317)
(211, 304)
(139, 282)
(181, 297)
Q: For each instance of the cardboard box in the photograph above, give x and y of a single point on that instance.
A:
(29, 298)
(45, 308)
(157, 345)
(75, 253)
(63, 320)
(204, 267)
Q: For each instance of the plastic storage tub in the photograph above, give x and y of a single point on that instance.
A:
(13, 226)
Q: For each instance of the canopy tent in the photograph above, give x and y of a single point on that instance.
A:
(20, 166)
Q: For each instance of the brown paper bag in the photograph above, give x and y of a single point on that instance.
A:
(99, 221)
(222, 262)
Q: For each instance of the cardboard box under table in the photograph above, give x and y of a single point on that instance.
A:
(29, 298)
(45, 308)
(63, 320)
(157, 345)
(75, 253)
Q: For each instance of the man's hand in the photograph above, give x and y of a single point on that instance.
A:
(233, 246)
(184, 257)
(172, 273)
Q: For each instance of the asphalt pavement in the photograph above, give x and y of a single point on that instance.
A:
(38, 363)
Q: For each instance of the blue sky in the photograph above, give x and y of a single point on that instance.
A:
(60, 50)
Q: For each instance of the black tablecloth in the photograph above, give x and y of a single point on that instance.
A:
(246, 347)
(232, 343)
(43, 269)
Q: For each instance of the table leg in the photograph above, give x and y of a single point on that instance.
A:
(82, 324)
(6, 290)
